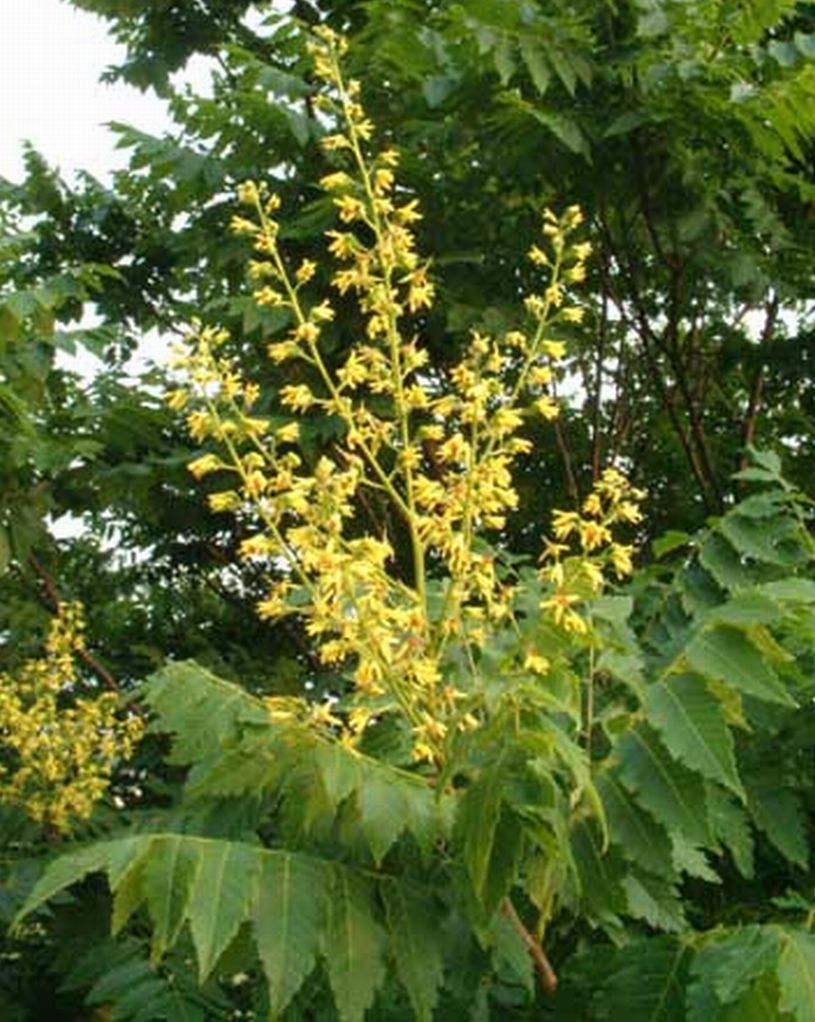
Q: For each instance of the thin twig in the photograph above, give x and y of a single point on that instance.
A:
(543, 967)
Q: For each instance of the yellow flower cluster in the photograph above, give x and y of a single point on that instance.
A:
(58, 748)
(613, 501)
(438, 449)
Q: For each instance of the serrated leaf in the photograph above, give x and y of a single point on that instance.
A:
(599, 873)
(690, 859)
(220, 898)
(623, 125)
(693, 728)
(718, 557)
(755, 539)
(637, 834)
(168, 874)
(564, 67)
(121, 977)
(796, 974)
(796, 589)
(654, 900)
(354, 947)
(476, 820)
(767, 459)
(777, 812)
(741, 960)
(728, 655)
(536, 64)
(731, 827)
(669, 791)
(504, 860)
(725, 969)
(129, 896)
(415, 942)
(805, 44)
(564, 129)
(201, 710)
(504, 58)
(339, 771)
(288, 917)
(648, 982)
(63, 873)
(670, 540)
(756, 607)
(752, 474)
(382, 814)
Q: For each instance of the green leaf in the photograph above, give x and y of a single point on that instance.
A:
(755, 539)
(599, 873)
(5, 550)
(726, 969)
(724, 564)
(805, 44)
(220, 898)
(668, 542)
(654, 900)
(796, 974)
(637, 834)
(536, 64)
(504, 58)
(353, 947)
(672, 794)
(510, 954)
(415, 942)
(777, 812)
(648, 984)
(382, 812)
(794, 589)
(727, 654)
(288, 916)
(624, 124)
(505, 857)
(169, 870)
(564, 129)
(201, 710)
(63, 872)
(754, 607)
(693, 728)
(476, 820)
(731, 827)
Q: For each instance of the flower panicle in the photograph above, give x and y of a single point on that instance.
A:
(438, 447)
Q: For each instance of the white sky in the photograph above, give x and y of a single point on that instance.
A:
(51, 57)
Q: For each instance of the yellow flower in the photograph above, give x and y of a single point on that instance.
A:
(305, 271)
(547, 407)
(204, 465)
(287, 434)
(351, 209)
(297, 397)
(536, 664)
(554, 349)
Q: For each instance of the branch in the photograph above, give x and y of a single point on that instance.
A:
(543, 967)
(748, 428)
(651, 349)
(52, 600)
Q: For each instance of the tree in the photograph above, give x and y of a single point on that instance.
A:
(648, 812)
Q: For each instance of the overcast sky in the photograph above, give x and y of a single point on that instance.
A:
(51, 57)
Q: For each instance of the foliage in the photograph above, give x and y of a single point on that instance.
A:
(436, 777)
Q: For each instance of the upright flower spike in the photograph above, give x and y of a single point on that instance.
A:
(439, 449)
(60, 746)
